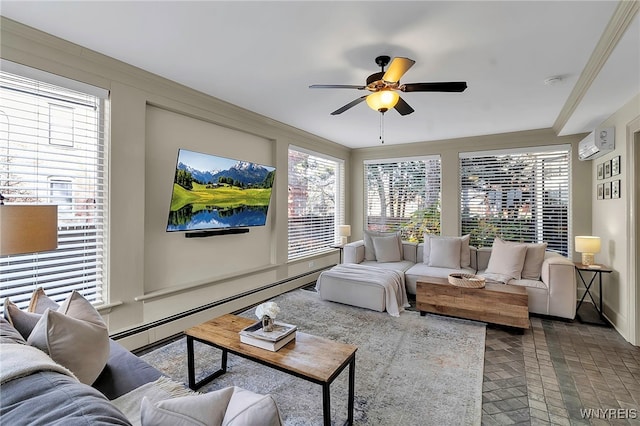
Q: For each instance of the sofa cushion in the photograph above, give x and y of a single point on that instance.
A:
(506, 261)
(75, 336)
(444, 252)
(369, 248)
(387, 249)
(465, 252)
(401, 266)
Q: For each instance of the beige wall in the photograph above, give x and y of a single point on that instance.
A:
(611, 223)
(153, 275)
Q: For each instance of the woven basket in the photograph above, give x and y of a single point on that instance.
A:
(466, 280)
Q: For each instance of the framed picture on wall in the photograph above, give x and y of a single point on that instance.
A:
(607, 190)
(607, 169)
(615, 189)
(615, 166)
(600, 191)
(600, 171)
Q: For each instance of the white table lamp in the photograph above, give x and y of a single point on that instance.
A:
(344, 231)
(588, 246)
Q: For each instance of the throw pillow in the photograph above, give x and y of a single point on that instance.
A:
(230, 406)
(445, 253)
(249, 408)
(387, 249)
(74, 336)
(205, 409)
(506, 259)
(465, 252)
(40, 302)
(8, 333)
(22, 321)
(533, 261)
(369, 248)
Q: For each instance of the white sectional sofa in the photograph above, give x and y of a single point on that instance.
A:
(551, 287)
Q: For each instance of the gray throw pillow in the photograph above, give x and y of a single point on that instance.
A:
(74, 336)
(369, 248)
(21, 320)
(445, 253)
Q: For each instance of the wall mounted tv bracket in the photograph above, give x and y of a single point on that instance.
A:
(212, 233)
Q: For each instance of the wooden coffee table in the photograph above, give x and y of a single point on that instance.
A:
(308, 357)
(495, 303)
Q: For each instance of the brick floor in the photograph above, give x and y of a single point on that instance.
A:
(553, 372)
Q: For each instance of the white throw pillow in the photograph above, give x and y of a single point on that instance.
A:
(205, 409)
(387, 249)
(74, 336)
(230, 406)
(507, 259)
(465, 252)
(369, 248)
(444, 253)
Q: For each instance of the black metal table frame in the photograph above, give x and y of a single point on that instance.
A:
(326, 394)
(598, 273)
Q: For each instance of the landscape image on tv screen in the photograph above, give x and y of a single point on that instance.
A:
(211, 192)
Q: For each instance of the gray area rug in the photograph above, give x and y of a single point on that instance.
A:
(410, 370)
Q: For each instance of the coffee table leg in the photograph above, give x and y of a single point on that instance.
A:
(423, 313)
(326, 404)
(191, 367)
(190, 363)
(352, 382)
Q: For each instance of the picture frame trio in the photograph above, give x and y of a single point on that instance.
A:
(606, 170)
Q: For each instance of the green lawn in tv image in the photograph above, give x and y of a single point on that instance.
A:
(212, 192)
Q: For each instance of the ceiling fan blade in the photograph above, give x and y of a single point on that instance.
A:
(403, 108)
(336, 86)
(451, 86)
(397, 69)
(349, 105)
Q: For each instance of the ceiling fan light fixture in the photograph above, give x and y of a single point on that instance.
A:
(382, 100)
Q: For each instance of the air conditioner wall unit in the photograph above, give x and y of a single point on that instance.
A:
(596, 144)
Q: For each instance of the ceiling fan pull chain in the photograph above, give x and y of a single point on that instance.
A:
(382, 127)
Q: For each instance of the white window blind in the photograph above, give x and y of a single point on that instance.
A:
(52, 152)
(316, 202)
(403, 195)
(518, 195)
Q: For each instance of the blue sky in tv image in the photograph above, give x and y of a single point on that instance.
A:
(210, 162)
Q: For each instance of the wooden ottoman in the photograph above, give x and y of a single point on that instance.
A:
(495, 303)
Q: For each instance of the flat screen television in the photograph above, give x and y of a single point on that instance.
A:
(218, 193)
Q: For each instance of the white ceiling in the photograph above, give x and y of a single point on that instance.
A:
(262, 56)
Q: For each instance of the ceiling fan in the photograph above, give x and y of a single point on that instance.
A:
(384, 87)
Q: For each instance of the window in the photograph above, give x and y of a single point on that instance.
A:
(518, 195)
(404, 195)
(316, 202)
(52, 152)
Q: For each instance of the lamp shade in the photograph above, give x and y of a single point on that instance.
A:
(585, 244)
(588, 246)
(28, 229)
(382, 100)
(344, 230)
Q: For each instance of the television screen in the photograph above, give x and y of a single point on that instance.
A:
(211, 192)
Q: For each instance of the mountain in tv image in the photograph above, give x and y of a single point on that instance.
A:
(211, 192)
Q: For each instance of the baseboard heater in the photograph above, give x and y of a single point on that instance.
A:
(181, 315)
